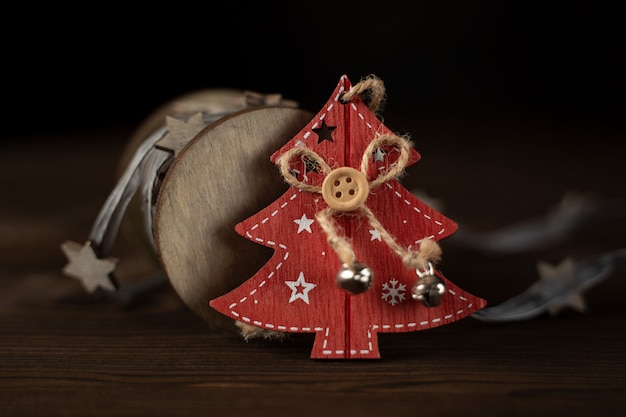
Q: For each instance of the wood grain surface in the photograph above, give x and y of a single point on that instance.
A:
(66, 353)
(219, 179)
(296, 290)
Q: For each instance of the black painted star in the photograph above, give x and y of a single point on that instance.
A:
(310, 165)
(324, 133)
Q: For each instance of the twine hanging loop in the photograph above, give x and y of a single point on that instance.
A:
(375, 89)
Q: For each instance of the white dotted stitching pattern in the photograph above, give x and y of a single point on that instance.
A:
(326, 330)
(417, 210)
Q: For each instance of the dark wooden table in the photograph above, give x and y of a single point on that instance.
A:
(64, 352)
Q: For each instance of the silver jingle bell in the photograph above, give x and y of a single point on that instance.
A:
(355, 279)
(429, 289)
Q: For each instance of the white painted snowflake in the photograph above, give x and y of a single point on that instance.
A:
(393, 292)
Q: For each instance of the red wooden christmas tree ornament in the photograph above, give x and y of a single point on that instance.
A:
(354, 251)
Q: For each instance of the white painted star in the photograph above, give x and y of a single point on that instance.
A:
(379, 155)
(375, 235)
(304, 223)
(298, 284)
(85, 266)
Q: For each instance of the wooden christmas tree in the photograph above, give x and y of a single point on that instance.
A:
(354, 251)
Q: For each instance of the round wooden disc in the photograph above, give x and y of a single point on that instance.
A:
(210, 101)
(222, 177)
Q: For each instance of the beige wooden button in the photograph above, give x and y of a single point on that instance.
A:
(345, 189)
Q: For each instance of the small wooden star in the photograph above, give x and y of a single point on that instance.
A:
(324, 132)
(180, 132)
(85, 266)
(571, 295)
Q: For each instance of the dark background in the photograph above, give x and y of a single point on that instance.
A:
(513, 105)
(100, 66)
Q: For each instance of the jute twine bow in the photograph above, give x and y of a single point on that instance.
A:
(429, 251)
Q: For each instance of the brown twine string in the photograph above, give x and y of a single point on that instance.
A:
(340, 245)
(412, 259)
(395, 171)
(376, 89)
(283, 164)
(429, 249)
